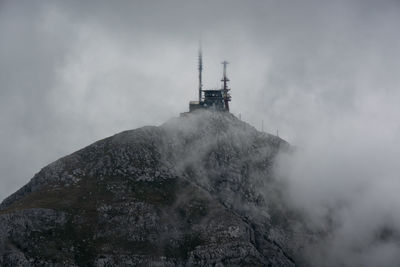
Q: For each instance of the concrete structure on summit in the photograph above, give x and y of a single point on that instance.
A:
(215, 99)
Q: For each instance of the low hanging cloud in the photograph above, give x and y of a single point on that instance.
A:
(344, 180)
(324, 73)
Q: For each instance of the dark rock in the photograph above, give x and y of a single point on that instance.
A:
(198, 190)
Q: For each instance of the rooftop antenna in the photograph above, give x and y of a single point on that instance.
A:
(225, 88)
(200, 71)
(262, 125)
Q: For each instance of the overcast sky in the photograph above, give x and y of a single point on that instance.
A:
(325, 73)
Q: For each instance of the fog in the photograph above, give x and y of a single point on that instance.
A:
(345, 182)
(325, 73)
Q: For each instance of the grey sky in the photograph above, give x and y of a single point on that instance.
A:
(325, 73)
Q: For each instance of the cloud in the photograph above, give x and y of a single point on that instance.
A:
(344, 180)
(324, 73)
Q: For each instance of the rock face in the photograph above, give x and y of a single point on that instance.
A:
(198, 190)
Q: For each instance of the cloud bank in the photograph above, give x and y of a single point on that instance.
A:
(344, 180)
(324, 73)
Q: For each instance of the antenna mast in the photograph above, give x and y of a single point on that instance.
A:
(200, 72)
(225, 88)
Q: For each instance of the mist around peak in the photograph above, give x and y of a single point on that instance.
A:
(344, 181)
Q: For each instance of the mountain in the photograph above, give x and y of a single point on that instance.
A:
(198, 190)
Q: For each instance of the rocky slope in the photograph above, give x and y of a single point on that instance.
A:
(198, 190)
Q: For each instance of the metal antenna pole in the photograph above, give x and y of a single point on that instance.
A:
(200, 71)
(225, 79)
(225, 88)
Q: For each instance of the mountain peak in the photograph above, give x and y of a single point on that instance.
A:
(184, 193)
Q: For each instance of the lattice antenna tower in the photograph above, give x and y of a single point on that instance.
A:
(225, 88)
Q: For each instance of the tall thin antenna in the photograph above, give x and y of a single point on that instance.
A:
(224, 78)
(262, 125)
(200, 71)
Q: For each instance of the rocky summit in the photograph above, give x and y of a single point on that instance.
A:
(198, 190)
